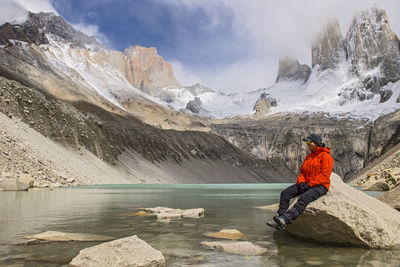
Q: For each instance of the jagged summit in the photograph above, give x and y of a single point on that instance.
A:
(328, 48)
(372, 44)
(291, 70)
(38, 25)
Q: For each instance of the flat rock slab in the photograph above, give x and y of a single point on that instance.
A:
(129, 251)
(348, 216)
(232, 234)
(272, 207)
(237, 247)
(60, 236)
(165, 214)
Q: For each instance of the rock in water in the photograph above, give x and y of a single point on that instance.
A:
(24, 182)
(241, 247)
(226, 234)
(61, 236)
(129, 251)
(350, 217)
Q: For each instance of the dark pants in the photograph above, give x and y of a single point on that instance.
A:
(305, 198)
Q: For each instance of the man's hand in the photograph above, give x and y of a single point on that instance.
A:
(303, 187)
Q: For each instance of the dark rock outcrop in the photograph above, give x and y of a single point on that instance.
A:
(264, 103)
(36, 27)
(354, 143)
(291, 70)
(194, 105)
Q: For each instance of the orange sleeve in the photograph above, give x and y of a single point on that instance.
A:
(323, 176)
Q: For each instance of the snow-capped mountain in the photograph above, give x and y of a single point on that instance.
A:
(354, 76)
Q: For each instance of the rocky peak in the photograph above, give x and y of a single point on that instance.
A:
(148, 71)
(291, 70)
(328, 47)
(198, 89)
(35, 28)
(372, 45)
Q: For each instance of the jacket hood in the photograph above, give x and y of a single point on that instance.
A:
(322, 149)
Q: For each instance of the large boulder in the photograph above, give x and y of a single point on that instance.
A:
(129, 251)
(22, 183)
(348, 216)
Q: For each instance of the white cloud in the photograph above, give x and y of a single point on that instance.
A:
(37, 5)
(93, 30)
(274, 29)
(183, 75)
(12, 12)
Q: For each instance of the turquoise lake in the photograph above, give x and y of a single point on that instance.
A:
(104, 210)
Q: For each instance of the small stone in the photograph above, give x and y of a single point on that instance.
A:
(232, 234)
(241, 247)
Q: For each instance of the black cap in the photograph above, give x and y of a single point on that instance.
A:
(315, 138)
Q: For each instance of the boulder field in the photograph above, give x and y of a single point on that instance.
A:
(347, 216)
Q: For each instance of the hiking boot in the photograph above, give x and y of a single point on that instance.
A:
(273, 224)
(280, 221)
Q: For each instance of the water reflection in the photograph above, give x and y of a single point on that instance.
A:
(103, 210)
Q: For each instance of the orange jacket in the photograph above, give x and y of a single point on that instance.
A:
(317, 168)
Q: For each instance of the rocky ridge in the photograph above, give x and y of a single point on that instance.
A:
(35, 28)
(123, 140)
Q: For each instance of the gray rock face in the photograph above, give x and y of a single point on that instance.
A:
(328, 48)
(354, 144)
(129, 251)
(372, 44)
(348, 216)
(264, 104)
(291, 70)
(194, 105)
(38, 24)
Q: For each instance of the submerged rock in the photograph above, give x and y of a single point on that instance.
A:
(60, 236)
(129, 251)
(241, 247)
(226, 234)
(350, 217)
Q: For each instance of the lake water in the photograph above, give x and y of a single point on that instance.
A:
(102, 210)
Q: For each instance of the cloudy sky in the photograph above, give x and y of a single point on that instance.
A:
(228, 45)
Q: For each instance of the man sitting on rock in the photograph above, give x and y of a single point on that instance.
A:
(312, 182)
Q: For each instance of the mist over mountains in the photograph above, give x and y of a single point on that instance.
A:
(352, 84)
